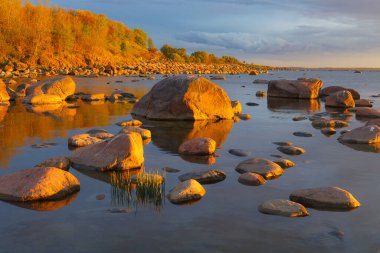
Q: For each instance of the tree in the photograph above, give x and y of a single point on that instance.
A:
(151, 46)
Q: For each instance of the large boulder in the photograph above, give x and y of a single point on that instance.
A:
(325, 198)
(327, 91)
(188, 191)
(122, 152)
(184, 98)
(263, 167)
(59, 87)
(305, 88)
(38, 184)
(368, 134)
(341, 99)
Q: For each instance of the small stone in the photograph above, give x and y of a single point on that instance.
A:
(100, 196)
(291, 150)
(302, 134)
(60, 162)
(82, 140)
(263, 167)
(285, 163)
(239, 152)
(283, 208)
(93, 97)
(252, 104)
(204, 176)
(299, 118)
(328, 131)
(130, 123)
(244, 116)
(185, 192)
(261, 94)
(251, 179)
(199, 146)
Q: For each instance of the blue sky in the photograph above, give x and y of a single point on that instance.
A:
(314, 33)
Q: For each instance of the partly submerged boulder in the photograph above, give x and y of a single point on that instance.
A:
(368, 134)
(204, 176)
(305, 88)
(341, 99)
(366, 112)
(283, 207)
(122, 152)
(184, 98)
(38, 184)
(60, 162)
(327, 91)
(263, 167)
(62, 87)
(188, 191)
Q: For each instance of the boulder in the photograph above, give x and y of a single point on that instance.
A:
(327, 91)
(375, 122)
(251, 179)
(291, 150)
(122, 152)
(62, 87)
(185, 192)
(199, 146)
(145, 133)
(204, 176)
(82, 140)
(306, 89)
(60, 162)
(367, 113)
(342, 99)
(38, 184)
(322, 123)
(283, 208)
(325, 198)
(184, 98)
(43, 99)
(368, 134)
(236, 107)
(285, 163)
(263, 167)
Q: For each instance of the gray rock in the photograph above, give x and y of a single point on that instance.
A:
(251, 179)
(291, 150)
(263, 167)
(283, 208)
(204, 176)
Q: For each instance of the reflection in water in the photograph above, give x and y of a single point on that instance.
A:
(45, 206)
(205, 159)
(373, 148)
(3, 111)
(292, 105)
(339, 113)
(23, 124)
(169, 135)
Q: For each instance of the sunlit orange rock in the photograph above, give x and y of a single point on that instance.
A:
(305, 88)
(342, 99)
(184, 98)
(38, 184)
(62, 87)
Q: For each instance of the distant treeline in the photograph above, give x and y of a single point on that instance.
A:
(39, 35)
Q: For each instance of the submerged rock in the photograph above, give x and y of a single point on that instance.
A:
(199, 146)
(261, 81)
(366, 112)
(325, 198)
(94, 97)
(363, 103)
(204, 176)
(261, 94)
(328, 131)
(366, 134)
(302, 134)
(291, 150)
(133, 122)
(263, 167)
(322, 123)
(251, 179)
(283, 143)
(341, 99)
(283, 208)
(145, 133)
(122, 152)
(184, 98)
(239, 152)
(185, 192)
(170, 170)
(38, 184)
(306, 88)
(299, 118)
(60, 162)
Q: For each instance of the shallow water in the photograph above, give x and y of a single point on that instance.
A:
(226, 219)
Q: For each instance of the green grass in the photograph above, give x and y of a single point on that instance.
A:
(146, 189)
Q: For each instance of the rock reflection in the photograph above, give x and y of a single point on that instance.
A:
(168, 135)
(372, 148)
(293, 105)
(46, 206)
(3, 111)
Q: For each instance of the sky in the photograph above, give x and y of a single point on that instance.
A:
(305, 33)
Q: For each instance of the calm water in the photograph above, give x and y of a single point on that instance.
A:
(226, 219)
